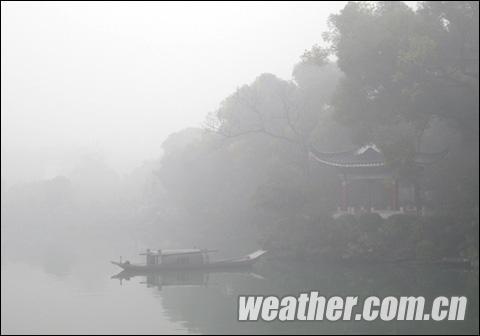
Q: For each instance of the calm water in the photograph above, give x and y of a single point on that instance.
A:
(61, 293)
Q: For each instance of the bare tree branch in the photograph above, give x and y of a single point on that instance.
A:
(252, 104)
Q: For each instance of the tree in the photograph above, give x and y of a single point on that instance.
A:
(406, 67)
(404, 71)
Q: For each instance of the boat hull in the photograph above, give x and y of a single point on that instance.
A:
(246, 261)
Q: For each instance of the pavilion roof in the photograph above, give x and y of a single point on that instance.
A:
(366, 156)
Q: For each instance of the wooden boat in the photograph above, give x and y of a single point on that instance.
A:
(187, 259)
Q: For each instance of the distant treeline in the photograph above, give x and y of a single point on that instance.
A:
(406, 80)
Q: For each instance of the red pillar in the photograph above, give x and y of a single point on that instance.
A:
(344, 195)
(370, 196)
(417, 196)
(395, 195)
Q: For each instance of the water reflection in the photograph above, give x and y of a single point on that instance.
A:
(206, 302)
(178, 278)
(61, 289)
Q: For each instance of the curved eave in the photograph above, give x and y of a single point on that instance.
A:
(346, 164)
(330, 159)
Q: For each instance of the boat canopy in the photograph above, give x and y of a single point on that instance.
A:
(176, 252)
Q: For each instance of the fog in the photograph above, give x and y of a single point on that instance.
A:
(117, 79)
(160, 159)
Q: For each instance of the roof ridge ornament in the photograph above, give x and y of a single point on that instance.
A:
(368, 146)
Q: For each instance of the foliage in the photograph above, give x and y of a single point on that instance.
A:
(404, 79)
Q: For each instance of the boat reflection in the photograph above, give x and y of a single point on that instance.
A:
(178, 278)
(206, 302)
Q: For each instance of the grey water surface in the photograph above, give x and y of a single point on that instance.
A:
(58, 291)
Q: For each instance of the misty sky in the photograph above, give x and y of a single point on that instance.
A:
(118, 78)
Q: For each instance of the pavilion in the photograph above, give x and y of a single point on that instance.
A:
(370, 184)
